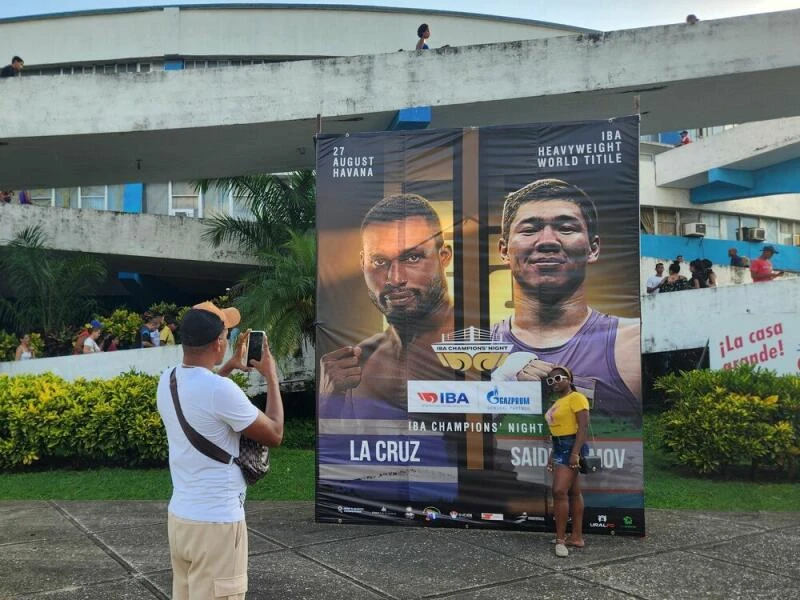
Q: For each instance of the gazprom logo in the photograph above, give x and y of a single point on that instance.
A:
(443, 397)
(494, 397)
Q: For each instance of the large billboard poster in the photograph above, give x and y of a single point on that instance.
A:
(455, 268)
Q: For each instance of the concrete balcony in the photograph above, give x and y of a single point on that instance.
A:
(183, 125)
(170, 247)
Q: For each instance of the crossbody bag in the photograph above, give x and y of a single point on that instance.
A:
(253, 457)
(590, 464)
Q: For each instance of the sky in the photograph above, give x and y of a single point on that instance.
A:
(605, 15)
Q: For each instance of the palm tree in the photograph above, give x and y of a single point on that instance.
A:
(277, 204)
(280, 295)
(47, 291)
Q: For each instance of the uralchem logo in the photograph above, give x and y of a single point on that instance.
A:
(471, 348)
(443, 397)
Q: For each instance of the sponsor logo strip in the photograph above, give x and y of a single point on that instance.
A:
(474, 397)
(374, 473)
(415, 491)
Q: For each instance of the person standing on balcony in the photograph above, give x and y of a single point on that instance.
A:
(674, 282)
(423, 33)
(654, 281)
(736, 260)
(761, 267)
(685, 139)
(14, 69)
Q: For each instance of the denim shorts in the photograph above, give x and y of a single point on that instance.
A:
(562, 448)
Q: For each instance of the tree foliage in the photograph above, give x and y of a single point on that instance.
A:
(278, 205)
(47, 291)
(280, 295)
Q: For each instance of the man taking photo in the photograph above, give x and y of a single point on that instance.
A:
(206, 524)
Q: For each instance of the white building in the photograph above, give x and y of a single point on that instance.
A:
(118, 109)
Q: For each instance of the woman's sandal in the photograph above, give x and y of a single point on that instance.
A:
(561, 549)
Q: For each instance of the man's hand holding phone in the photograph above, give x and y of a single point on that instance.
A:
(259, 356)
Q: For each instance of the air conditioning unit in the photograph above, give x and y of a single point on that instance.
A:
(181, 212)
(756, 234)
(694, 229)
(796, 239)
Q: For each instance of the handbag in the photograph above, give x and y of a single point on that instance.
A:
(253, 457)
(590, 464)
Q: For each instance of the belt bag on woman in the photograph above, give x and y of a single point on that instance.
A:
(253, 457)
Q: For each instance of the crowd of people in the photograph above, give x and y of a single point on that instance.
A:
(7, 197)
(702, 276)
(156, 331)
(702, 273)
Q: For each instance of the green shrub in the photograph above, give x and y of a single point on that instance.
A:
(60, 341)
(718, 419)
(37, 343)
(124, 324)
(299, 433)
(8, 346)
(111, 422)
(240, 379)
(45, 419)
(166, 309)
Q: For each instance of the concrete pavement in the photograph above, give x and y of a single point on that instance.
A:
(118, 550)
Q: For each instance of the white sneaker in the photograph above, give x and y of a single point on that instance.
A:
(561, 550)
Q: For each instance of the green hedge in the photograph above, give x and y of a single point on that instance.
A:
(44, 418)
(721, 419)
(47, 420)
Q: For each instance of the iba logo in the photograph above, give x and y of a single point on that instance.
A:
(443, 398)
(471, 348)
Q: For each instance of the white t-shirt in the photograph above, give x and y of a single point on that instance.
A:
(91, 344)
(204, 489)
(653, 281)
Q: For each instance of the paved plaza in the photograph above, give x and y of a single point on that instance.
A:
(118, 550)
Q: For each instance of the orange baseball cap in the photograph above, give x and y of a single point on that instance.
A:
(230, 317)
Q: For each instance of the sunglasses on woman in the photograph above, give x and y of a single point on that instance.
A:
(556, 379)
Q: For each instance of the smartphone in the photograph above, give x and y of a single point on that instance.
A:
(255, 345)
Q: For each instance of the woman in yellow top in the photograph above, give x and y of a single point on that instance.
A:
(568, 420)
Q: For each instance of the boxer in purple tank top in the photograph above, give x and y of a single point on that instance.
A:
(549, 237)
(592, 351)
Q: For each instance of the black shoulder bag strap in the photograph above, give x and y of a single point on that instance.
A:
(210, 449)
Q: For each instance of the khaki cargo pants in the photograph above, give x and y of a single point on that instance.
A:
(209, 560)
